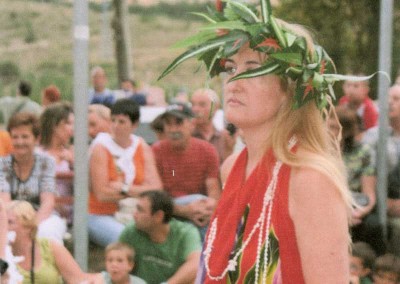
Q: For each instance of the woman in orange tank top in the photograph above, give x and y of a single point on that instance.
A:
(121, 165)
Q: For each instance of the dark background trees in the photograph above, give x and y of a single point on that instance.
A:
(349, 31)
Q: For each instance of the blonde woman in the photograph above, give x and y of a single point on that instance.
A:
(284, 212)
(45, 261)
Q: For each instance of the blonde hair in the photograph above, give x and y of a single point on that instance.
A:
(129, 251)
(25, 214)
(308, 125)
(101, 111)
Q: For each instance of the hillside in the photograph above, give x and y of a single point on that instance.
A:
(36, 44)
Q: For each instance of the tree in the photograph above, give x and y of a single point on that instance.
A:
(347, 29)
(121, 40)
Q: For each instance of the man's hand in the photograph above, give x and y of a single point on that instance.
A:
(200, 211)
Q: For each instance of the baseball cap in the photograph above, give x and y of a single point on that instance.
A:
(179, 110)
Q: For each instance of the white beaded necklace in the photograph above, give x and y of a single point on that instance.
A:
(268, 200)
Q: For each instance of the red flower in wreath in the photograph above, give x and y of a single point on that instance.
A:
(271, 43)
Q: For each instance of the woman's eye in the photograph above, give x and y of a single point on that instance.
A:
(230, 70)
(253, 67)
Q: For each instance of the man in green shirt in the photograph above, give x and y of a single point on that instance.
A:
(167, 250)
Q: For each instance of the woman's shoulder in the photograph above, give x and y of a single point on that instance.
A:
(6, 161)
(43, 157)
(311, 188)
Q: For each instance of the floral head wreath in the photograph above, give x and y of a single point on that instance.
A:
(239, 24)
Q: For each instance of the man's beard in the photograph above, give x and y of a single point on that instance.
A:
(175, 135)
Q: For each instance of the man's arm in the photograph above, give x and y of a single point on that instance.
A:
(200, 211)
(187, 271)
(213, 186)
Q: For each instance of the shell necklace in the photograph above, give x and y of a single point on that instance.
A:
(263, 221)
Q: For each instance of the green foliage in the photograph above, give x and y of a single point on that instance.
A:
(49, 73)
(347, 29)
(9, 72)
(30, 36)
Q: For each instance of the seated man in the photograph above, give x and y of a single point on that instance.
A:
(205, 103)
(99, 93)
(188, 167)
(167, 250)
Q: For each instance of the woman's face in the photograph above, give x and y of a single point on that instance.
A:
(65, 129)
(14, 223)
(23, 140)
(251, 102)
(121, 125)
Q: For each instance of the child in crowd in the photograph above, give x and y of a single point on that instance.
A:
(119, 260)
(361, 262)
(386, 269)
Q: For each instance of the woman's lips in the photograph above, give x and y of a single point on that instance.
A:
(234, 102)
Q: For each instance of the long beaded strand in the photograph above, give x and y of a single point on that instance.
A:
(267, 200)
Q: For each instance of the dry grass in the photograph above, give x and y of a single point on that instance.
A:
(49, 56)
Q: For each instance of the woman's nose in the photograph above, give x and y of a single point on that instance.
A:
(233, 86)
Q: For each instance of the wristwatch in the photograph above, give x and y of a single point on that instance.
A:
(124, 190)
(3, 266)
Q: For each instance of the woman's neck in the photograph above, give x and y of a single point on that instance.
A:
(256, 140)
(22, 246)
(56, 144)
(123, 142)
(22, 163)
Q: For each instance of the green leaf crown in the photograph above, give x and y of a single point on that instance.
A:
(288, 54)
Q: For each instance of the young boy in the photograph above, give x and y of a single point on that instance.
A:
(361, 262)
(386, 269)
(119, 261)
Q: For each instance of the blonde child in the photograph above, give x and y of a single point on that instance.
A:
(119, 261)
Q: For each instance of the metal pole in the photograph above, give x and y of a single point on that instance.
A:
(81, 74)
(385, 64)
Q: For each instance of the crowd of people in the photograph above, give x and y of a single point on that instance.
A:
(268, 198)
(37, 160)
(185, 163)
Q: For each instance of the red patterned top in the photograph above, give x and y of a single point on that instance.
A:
(240, 207)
